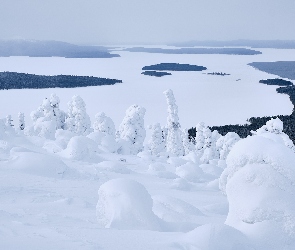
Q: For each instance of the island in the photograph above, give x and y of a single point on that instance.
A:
(14, 80)
(174, 67)
(218, 74)
(156, 73)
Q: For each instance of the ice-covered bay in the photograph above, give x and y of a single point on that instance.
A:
(214, 99)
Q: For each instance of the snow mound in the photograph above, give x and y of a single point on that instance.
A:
(81, 148)
(173, 209)
(258, 149)
(260, 185)
(126, 204)
(176, 161)
(34, 163)
(157, 167)
(215, 236)
(112, 166)
(159, 170)
(190, 172)
(211, 169)
(180, 184)
(262, 205)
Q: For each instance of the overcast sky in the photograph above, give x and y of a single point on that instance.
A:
(146, 21)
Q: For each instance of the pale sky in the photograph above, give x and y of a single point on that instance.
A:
(146, 21)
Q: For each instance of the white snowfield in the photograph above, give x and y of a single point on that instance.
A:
(66, 183)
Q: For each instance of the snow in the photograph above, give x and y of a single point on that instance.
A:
(71, 191)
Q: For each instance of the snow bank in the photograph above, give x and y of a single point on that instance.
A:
(125, 204)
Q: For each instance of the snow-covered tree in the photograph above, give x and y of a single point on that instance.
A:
(21, 121)
(47, 118)
(9, 121)
(273, 129)
(49, 110)
(132, 132)
(214, 137)
(199, 139)
(78, 121)
(104, 124)
(58, 115)
(208, 153)
(187, 144)
(174, 145)
(157, 141)
(225, 143)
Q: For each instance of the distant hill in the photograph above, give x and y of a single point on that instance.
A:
(275, 44)
(226, 51)
(14, 80)
(35, 48)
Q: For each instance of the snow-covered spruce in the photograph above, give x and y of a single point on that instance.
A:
(78, 121)
(273, 129)
(104, 124)
(188, 145)
(21, 121)
(174, 145)
(208, 153)
(157, 141)
(199, 139)
(47, 118)
(131, 131)
(225, 143)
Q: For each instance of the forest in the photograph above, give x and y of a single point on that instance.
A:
(14, 80)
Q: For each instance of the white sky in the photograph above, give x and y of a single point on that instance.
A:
(146, 21)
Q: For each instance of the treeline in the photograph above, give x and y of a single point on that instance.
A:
(276, 81)
(257, 122)
(14, 80)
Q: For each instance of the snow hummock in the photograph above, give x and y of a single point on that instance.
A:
(126, 204)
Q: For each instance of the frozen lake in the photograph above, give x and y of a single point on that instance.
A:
(216, 100)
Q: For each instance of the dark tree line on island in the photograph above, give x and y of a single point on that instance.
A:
(257, 122)
(174, 67)
(14, 80)
(156, 73)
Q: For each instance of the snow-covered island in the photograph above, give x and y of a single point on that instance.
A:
(67, 183)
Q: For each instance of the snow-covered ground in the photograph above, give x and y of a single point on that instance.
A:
(68, 191)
